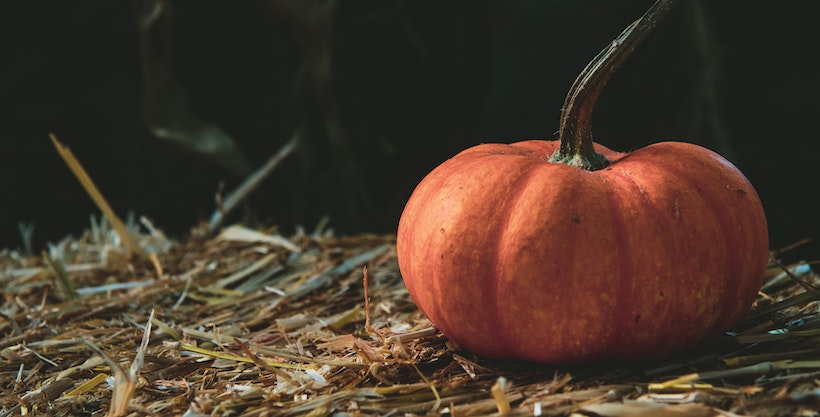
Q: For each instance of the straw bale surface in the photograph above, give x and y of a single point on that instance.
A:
(253, 323)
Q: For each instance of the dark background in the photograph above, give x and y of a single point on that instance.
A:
(381, 92)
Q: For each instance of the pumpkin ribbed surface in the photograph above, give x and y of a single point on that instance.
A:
(512, 256)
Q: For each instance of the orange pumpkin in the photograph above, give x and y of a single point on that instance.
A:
(566, 251)
(513, 256)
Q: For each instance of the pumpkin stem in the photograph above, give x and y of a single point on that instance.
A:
(576, 115)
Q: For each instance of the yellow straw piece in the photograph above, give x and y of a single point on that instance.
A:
(128, 239)
(167, 329)
(685, 379)
(500, 396)
(236, 358)
(87, 385)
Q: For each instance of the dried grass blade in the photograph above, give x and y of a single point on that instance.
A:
(773, 356)
(166, 329)
(209, 336)
(499, 393)
(267, 365)
(269, 351)
(360, 394)
(128, 240)
(685, 379)
(64, 285)
(402, 388)
(367, 326)
(240, 193)
(260, 280)
(322, 410)
(116, 286)
(47, 392)
(90, 363)
(801, 298)
(337, 343)
(157, 265)
(41, 357)
(803, 364)
(184, 293)
(798, 270)
(320, 280)
(678, 388)
(87, 385)
(759, 369)
(636, 408)
(54, 389)
(418, 334)
(343, 319)
(239, 275)
(771, 337)
(805, 284)
(476, 404)
(239, 233)
(125, 383)
(235, 358)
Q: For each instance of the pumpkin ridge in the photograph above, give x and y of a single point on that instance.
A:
(467, 162)
(736, 272)
(520, 186)
(499, 204)
(425, 253)
(710, 318)
(646, 210)
(623, 248)
(731, 273)
(529, 166)
(526, 243)
(594, 202)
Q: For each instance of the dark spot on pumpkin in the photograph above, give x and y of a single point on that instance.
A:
(661, 294)
(575, 218)
(637, 318)
(741, 191)
(441, 230)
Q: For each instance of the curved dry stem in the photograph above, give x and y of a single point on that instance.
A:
(576, 115)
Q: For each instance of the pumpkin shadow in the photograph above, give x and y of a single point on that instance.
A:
(617, 372)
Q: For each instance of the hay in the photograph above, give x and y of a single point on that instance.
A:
(253, 323)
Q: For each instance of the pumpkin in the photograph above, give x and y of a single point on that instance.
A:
(565, 251)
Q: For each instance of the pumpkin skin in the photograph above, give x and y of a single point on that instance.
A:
(514, 257)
